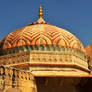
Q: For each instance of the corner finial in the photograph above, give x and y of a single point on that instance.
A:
(40, 12)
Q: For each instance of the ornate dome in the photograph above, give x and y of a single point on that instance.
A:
(40, 34)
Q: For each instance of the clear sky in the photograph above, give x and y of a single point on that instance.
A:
(73, 15)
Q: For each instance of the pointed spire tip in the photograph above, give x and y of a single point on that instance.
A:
(40, 12)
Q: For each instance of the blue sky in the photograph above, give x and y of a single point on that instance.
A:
(73, 15)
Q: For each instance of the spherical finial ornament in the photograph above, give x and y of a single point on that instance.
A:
(40, 12)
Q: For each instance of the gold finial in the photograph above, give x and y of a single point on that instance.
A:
(40, 12)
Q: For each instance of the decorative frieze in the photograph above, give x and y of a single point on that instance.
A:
(44, 58)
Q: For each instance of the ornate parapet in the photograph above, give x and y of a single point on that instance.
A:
(44, 60)
(16, 58)
(57, 58)
(13, 79)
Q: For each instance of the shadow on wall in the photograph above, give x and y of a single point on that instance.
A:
(13, 90)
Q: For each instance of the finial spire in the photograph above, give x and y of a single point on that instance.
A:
(40, 19)
(40, 12)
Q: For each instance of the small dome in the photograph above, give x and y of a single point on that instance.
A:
(88, 50)
(40, 34)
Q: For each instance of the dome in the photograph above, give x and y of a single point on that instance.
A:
(40, 35)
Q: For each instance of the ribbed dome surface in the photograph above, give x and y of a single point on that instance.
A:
(41, 34)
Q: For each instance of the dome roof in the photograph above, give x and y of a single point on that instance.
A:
(41, 34)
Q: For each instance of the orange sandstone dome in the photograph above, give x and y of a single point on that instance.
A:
(40, 35)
